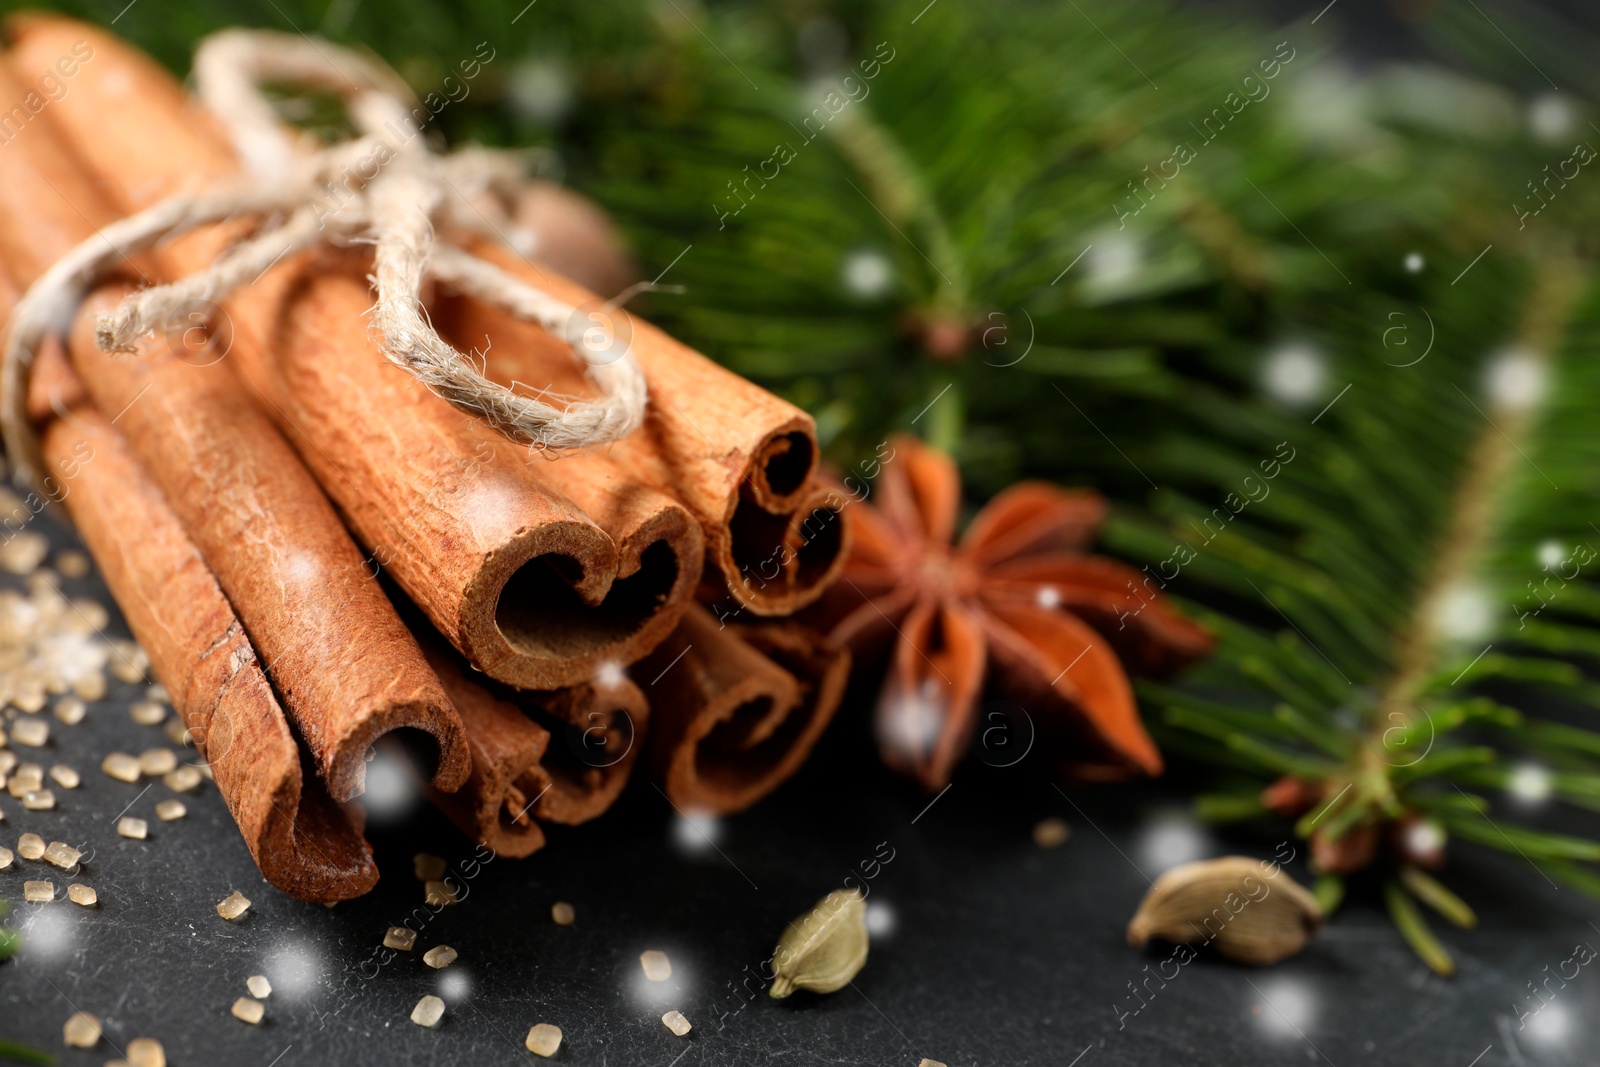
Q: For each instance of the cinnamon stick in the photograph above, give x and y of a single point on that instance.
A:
(600, 729)
(506, 746)
(737, 708)
(305, 844)
(336, 652)
(741, 459)
(540, 573)
(521, 776)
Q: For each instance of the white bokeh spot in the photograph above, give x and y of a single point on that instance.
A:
(294, 968)
(1168, 839)
(454, 984)
(609, 675)
(1464, 613)
(1551, 553)
(1551, 117)
(867, 274)
(1294, 374)
(1114, 259)
(1529, 783)
(540, 90)
(1515, 380)
(696, 832)
(1288, 1008)
(1424, 837)
(390, 792)
(881, 918)
(49, 933)
(1551, 1026)
(909, 722)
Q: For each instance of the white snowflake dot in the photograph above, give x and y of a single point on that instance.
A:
(1294, 374)
(609, 675)
(1529, 783)
(1114, 259)
(540, 90)
(1551, 117)
(1515, 380)
(1551, 554)
(1424, 837)
(1464, 614)
(868, 274)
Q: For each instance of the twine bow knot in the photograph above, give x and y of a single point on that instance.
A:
(384, 187)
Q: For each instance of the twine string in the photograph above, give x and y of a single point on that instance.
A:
(399, 210)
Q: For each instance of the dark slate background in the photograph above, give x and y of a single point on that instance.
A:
(998, 952)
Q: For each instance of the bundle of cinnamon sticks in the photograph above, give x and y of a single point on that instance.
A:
(317, 551)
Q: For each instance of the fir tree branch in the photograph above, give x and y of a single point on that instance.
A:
(1414, 928)
(897, 190)
(1554, 291)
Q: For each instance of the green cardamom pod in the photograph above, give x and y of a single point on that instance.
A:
(824, 948)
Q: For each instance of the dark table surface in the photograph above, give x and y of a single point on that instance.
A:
(987, 949)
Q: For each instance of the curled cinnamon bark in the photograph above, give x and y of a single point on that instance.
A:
(540, 573)
(305, 844)
(346, 669)
(737, 708)
(506, 748)
(600, 730)
(521, 775)
(740, 458)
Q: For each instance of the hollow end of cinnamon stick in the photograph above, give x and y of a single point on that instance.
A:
(317, 853)
(536, 571)
(742, 460)
(598, 732)
(782, 562)
(493, 806)
(569, 598)
(782, 465)
(304, 843)
(559, 757)
(555, 604)
(738, 708)
(430, 732)
(317, 595)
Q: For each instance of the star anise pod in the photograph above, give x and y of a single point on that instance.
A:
(1016, 609)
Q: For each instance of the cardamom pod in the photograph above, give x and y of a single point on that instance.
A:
(1249, 909)
(824, 948)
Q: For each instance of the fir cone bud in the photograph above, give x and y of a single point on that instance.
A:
(1349, 852)
(1249, 909)
(1289, 797)
(1419, 841)
(944, 337)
